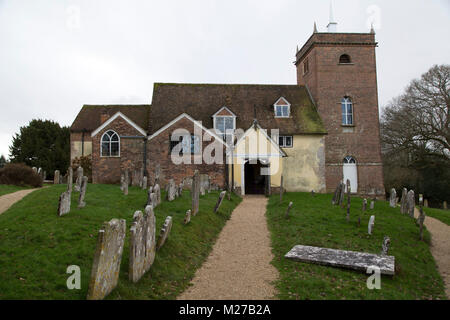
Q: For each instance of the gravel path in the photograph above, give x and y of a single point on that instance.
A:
(9, 199)
(440, 246)
(238, 267)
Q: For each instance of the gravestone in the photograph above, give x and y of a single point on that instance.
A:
(313, 193)
(80, 175)
(336, 194)
(393, 198)
(219, 201)
(69, 179)
(157, 173)
(152, 200)
(187, 217)
(372, 204)
(157, 192)
(404, 201)
(425, 203)
(56, 178)
(142, 243)
(341, 196)
(107, 259)
(180, 189)
(358, 261)
(84, 182)
(204, 183)
(171, 190)
(164, 234)
(195, 192)
(64, 203)
(371, 224)
(364, 206)
(35, 169)
(421, 219)
(144, 183)
(385, 245)
(202, 190)
(444, 205)
(411, 202)
(286, 215)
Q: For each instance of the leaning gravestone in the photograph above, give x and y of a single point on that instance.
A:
(164, 234)
(341, 196)
(393, 198)
(403, 203)
(371, 224)
(80, 176)
(219, 201)
(411, 202)
(142, 243)
(286, 215)
(69, 179)
(56, 178)
(195, 192)
(187, 217)
(107, 259)
(64, 203)
(84, 182)
(336, 194)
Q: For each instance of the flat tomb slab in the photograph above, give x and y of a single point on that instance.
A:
(359, 261)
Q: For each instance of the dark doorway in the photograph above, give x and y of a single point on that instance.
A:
(255, 183)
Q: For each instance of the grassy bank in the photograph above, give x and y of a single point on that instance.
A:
(36, 246)
(5, 189)
(314, 221)
(442, 215)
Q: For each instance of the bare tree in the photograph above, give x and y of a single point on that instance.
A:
(418, 120)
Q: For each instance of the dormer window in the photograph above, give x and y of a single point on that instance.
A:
(282, 108)
(224, 122)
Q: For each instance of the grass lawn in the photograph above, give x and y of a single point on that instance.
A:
(36, 246)
(314, 221)
(442, 215)
(6, 188)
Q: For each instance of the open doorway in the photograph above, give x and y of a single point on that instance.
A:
(255, 182)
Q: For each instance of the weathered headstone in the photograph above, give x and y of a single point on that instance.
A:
(171, 190)
(157, 192)
(202, 190)
(187, 217)
(84, 182)
(69, 179)
(371, 224)
(372, 204)
(204, 183)
(364, 206)
(393, 198)
(385, 245)
(164, 234)
(80, 175)
(336, 194)
(411, 203)
(180, 189)
(286, 215)
(56, 178)
(342, 195)
(425, 203)
(157, 173)
(142, 243)
(219, 201)
(64, 203)
(403, 204)
(144, 183)
(107, 259)
(35, 169)
(421, 219)
(152, 200)
(313, 193)
(195, 192)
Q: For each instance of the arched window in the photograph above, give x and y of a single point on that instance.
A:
(345, 58)
(347, 111)
(110, 144)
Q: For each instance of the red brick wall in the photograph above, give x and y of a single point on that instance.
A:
(158, 152)
(328, 82)
(108, 169)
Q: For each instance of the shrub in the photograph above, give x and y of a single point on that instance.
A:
(20, 175)
(86, 163)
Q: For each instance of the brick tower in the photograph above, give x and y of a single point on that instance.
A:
(339, 70)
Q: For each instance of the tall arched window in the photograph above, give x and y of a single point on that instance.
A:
(110, 144)
(347, 111)
(345, 58)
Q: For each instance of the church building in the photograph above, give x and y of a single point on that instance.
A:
(307, 136)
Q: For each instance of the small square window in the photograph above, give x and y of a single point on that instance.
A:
(285, 141)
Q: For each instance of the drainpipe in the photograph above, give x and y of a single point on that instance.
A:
(145, 156)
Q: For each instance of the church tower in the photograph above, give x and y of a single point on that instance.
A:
(339, 70)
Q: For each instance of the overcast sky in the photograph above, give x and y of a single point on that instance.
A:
(57, 55)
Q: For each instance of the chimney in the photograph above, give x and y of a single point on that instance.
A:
(103, 117)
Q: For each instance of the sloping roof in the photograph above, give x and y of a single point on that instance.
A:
(89, 118)
(201, 101)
